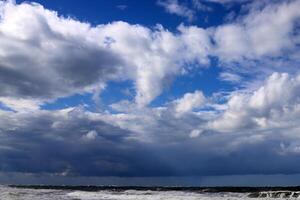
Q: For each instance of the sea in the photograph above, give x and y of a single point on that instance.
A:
(144, 193)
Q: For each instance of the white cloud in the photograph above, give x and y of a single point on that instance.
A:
(195, 133)
(20, 105)
(273, 105)
(196, 45)
(173, 7)
(226, 1)
(189, 102)
(258, 34)
(231, 42)
(44, 56)
(271, 108)
(164, 54)
(91, 135)
(72, 57)
(230, 77)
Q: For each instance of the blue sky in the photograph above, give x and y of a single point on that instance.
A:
(173, 91)
(134, 12)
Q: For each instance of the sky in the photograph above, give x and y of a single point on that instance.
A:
(160, 92)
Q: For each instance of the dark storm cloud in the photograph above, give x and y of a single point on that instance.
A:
(48, 143)
(57, 143)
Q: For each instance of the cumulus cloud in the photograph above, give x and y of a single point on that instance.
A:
(273, 105)
(61, 60)
(72, 57)
(257, 34)
(164, 56)
(189, 102)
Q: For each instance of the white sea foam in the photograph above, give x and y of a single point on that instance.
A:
(153, 195)
(8, 193)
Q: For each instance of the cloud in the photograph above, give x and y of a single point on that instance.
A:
(173, 7)
(20, 104)
(91, 135)
(61, 60)
(72, 57)
(226, 2)
(273, 105)
(189, 102)
(195, 133)
(165, 54)
(230, 77)
(122, 7)
(51, 143)
(258, 35)
(199, 5)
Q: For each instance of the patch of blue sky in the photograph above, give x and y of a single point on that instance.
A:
(204, 79)
(117, 91)
(113, 93)
(85, 100)
(102, 12)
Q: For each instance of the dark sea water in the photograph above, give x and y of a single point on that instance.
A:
(143, 193)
